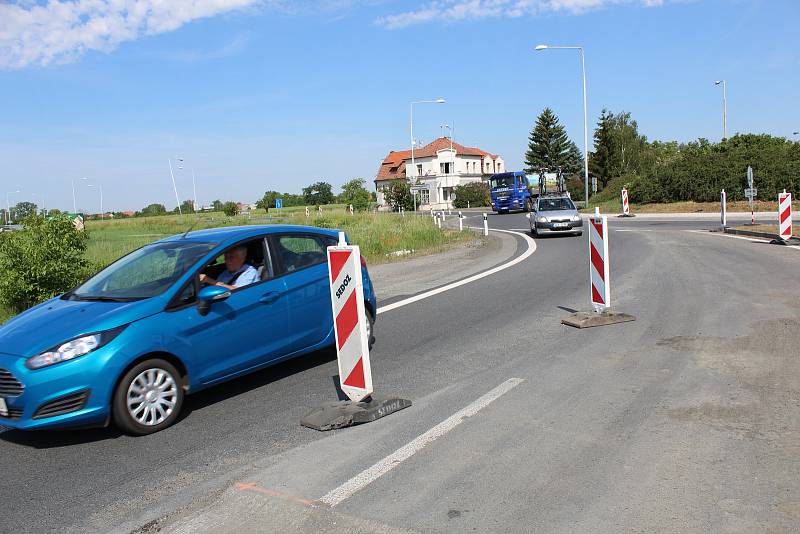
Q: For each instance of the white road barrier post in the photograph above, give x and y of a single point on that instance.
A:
(460, 222)
(723, 209)
(600, 289)
(320, 210)
(351, 209)
(352, 347)
(599, 281)
(785, 215)
(485, 224)
(349, 317)
(307, 212)
(442, 215)
(402, 212)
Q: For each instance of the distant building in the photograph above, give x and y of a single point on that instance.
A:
(439, 167)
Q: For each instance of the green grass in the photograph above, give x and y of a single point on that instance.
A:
(376, 234)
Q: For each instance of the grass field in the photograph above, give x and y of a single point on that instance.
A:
(378, 235)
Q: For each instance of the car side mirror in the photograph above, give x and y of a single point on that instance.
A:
(210, 294)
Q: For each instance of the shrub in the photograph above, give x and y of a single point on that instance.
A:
(41, 261)
(475, 193)
(231, 209)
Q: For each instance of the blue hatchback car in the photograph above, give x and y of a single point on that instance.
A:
(128, 344)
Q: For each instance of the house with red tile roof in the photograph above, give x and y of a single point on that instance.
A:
(437, 168)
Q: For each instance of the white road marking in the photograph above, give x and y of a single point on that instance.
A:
(629, 230)
(364, 478)
(522, 257)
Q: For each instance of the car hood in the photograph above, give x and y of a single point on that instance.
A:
(557, 214)
(56, 321)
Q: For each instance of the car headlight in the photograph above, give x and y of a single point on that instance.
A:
(575, 218)
(73, 348)
(541, 219)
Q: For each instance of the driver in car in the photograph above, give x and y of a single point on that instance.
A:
(237, 273)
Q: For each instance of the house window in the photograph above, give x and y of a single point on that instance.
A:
(474, 170)
(419, 169)
(499, 167)
(425, 196)
(445, 168)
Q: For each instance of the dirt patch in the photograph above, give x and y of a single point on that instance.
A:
(766, 368)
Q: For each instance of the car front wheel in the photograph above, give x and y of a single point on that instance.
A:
(370, 328)
(148, 398)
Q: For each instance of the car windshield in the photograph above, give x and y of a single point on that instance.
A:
(144, 273)
(506, 181)
(555, 204)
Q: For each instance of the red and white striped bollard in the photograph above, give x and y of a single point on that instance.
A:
(785, 215)
(600, 291)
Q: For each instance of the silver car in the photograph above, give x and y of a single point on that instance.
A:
(555, 215)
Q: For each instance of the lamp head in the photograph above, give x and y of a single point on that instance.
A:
(440, 100)
(541, 47)
(717, 82)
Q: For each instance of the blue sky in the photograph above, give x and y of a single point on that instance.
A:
(258, 95)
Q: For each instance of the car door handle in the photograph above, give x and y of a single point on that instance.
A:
(269, 298)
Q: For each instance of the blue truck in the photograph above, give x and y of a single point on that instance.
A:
(514, 191)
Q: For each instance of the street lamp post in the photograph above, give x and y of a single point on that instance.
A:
(585, 118)
(174, 187)
(413, 165)
(724, 108)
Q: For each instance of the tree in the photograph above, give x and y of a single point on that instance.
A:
(354, 192)
(53, 212)
(231, 209)
(217, 205)
(187, 206)
(268, 200)
(619, 149)
(41, 261)
(154, 209)
(475, 194)
(318, 193)
(550, 148)
(398, 194)
(600, 163)
(23, 210)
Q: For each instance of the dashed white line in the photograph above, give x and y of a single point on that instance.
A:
(522, 257)
(364, 478)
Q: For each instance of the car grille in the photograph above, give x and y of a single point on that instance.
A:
(9, 385)
(13, 413)
(60, 406)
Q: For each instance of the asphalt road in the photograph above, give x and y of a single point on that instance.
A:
(687, 419)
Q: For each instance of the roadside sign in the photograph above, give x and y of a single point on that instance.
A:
(723, 209)
(349, 316)
(418, 188)
(749, 176)
(594, 184)
(751, 192)
(279, 203)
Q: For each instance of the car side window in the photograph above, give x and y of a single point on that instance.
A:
(299, 251)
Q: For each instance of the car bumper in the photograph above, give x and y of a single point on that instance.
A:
(557, 228)
(68, 394)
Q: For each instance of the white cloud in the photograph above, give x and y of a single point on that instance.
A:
(460, 10)
(59, 31)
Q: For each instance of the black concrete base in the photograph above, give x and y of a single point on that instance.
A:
(628, 215)
(333, 415)
(785, 242)
(590, 319)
